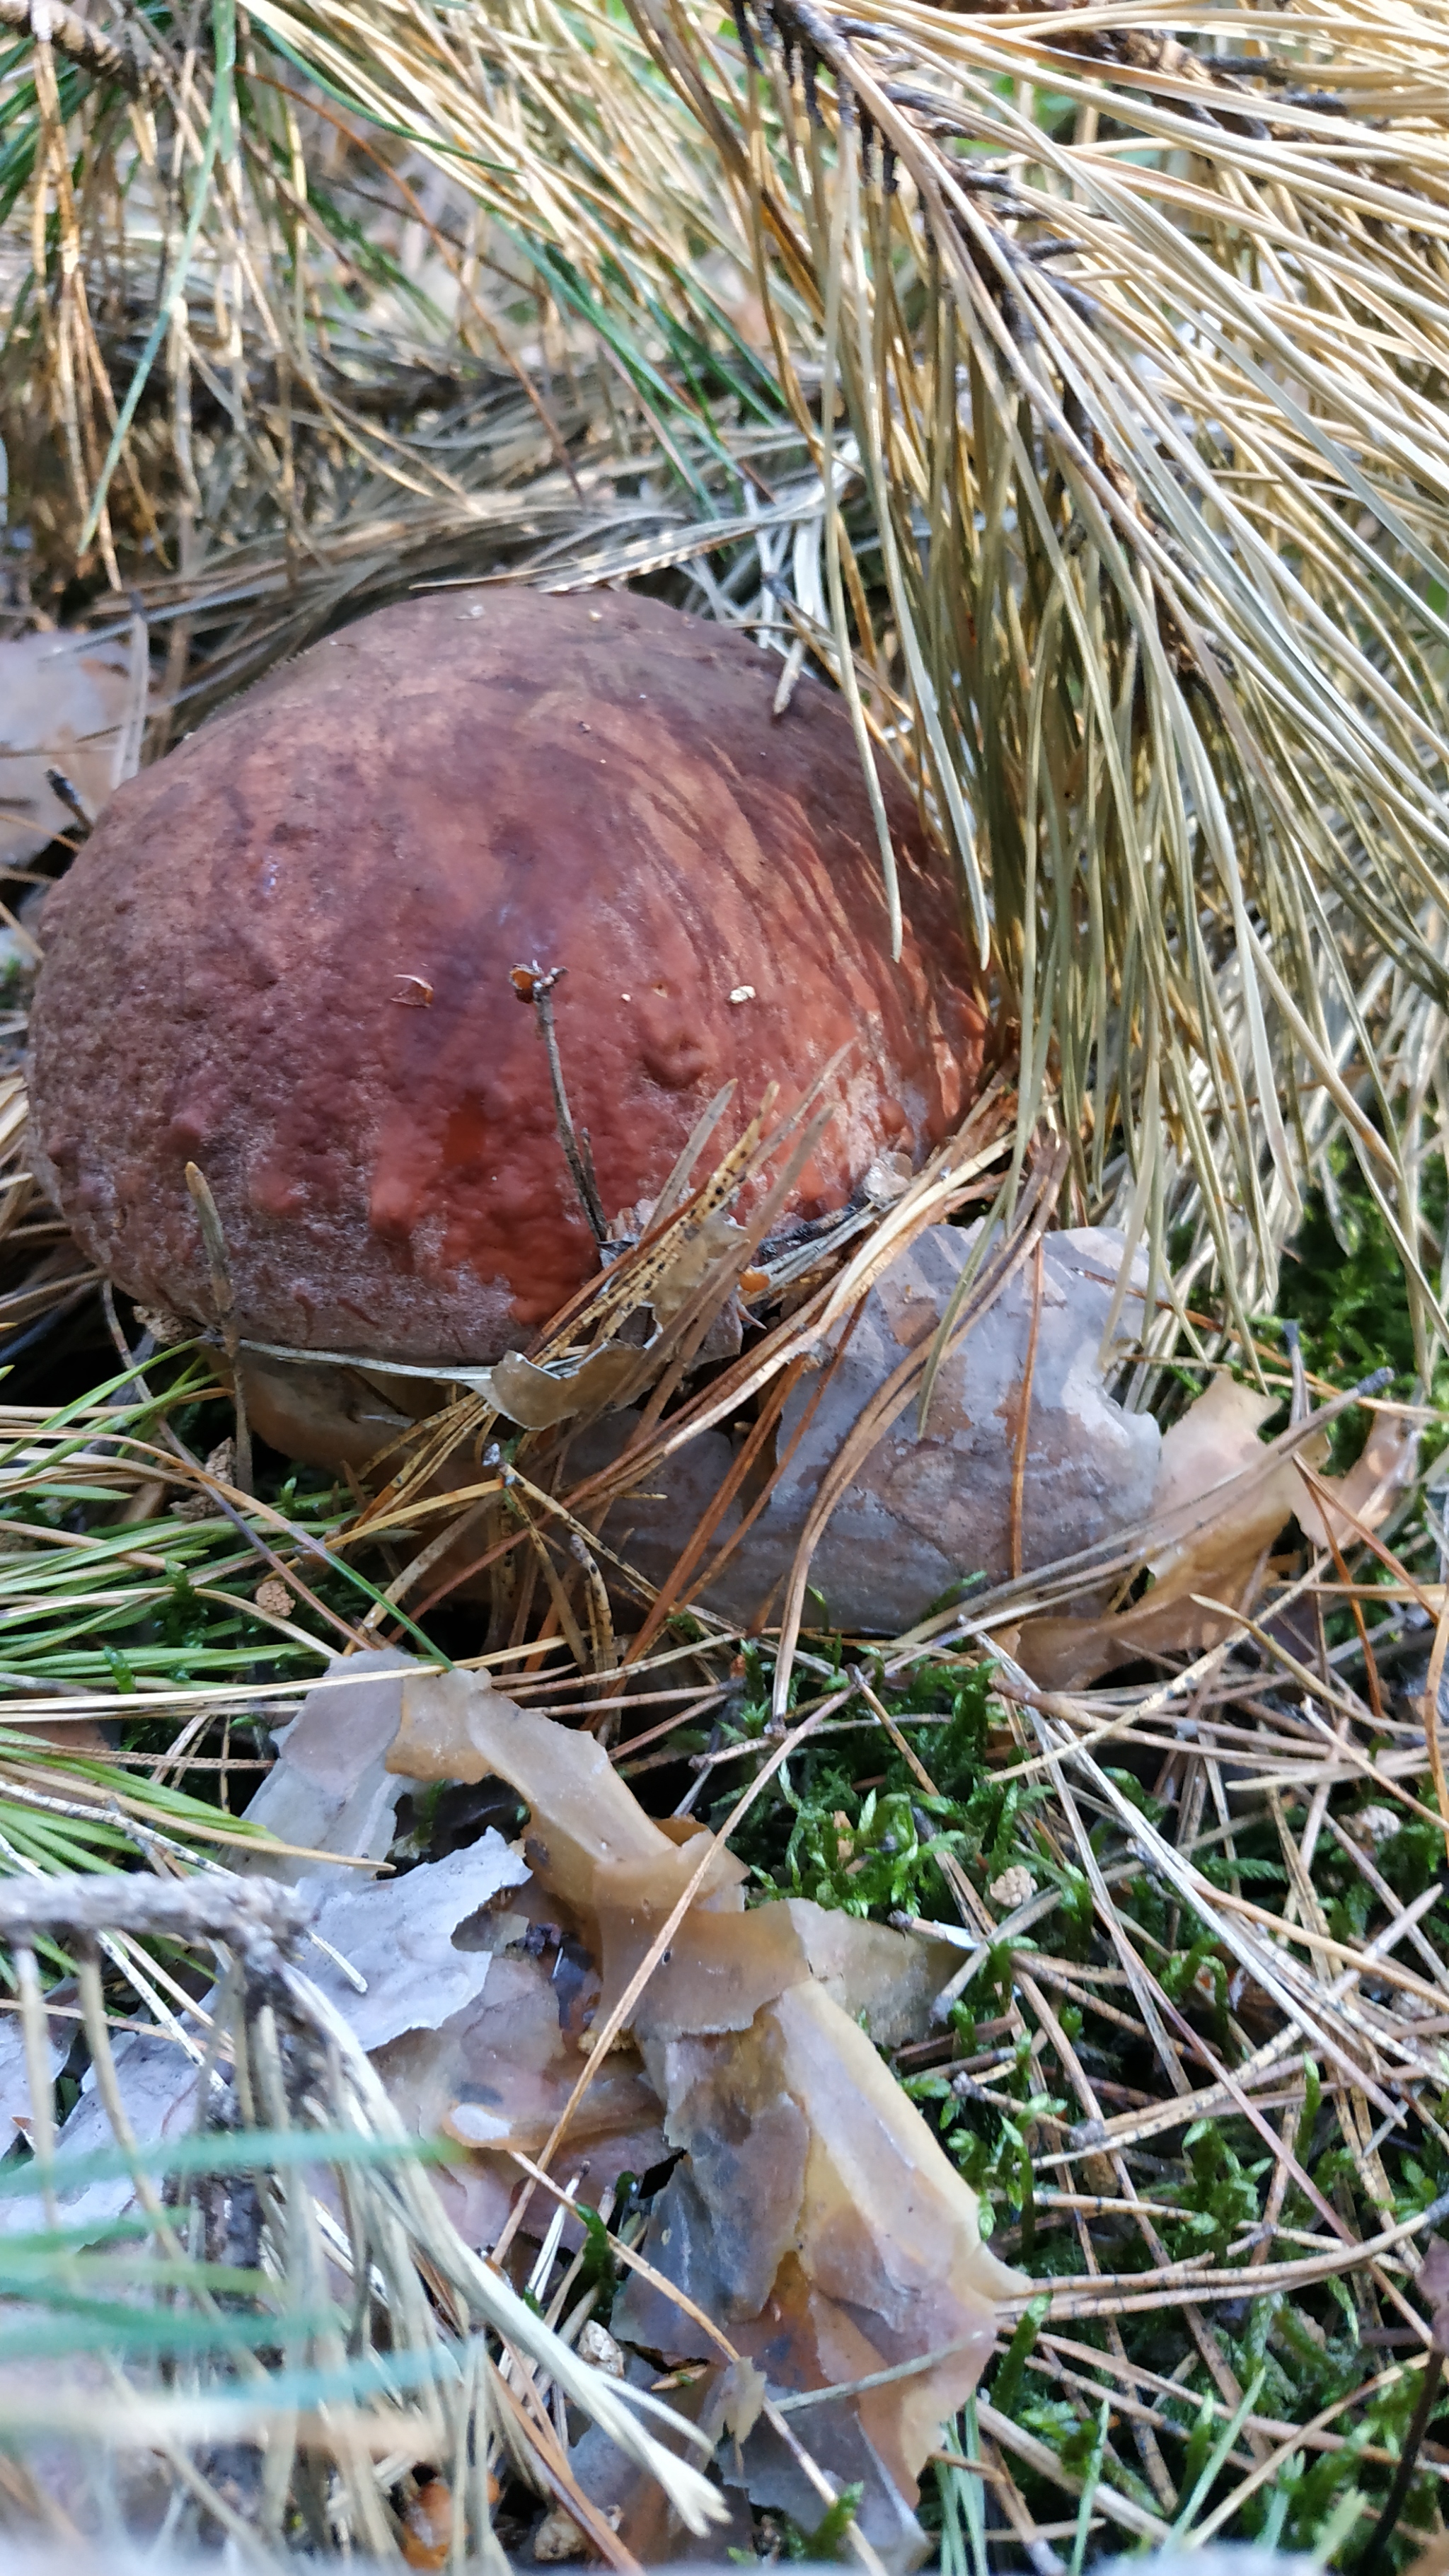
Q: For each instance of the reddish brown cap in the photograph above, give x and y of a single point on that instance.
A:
(285, 954)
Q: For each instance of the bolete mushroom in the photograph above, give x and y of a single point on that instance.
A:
(285, 955)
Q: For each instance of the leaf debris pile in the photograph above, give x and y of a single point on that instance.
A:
(309, 308)
(1175, 1995)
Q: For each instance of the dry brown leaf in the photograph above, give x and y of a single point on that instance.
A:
(456, 1727)
(1222, 1499)
(1387, 1463)
(927, 1508)
(537, 1397)
(722, 1966)
(818, 2217)
(815, 2216)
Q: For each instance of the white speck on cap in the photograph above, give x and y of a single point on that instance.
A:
(743, 993)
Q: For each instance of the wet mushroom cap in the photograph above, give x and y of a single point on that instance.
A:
(285, 954)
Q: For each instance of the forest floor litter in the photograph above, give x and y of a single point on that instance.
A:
(720, 1841)
(974, 2000)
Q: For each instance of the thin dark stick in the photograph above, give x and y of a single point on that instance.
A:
(1388, 2521)
(62, 787)
(532, 985)
(224, 1297)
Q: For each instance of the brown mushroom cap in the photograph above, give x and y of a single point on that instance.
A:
(285, 955)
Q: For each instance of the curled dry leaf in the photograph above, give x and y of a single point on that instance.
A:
(454, 1726)
(1222, 1499)
(1366, 1495)
(723, 1964)
(935, 1504)
(976, 1493)
(496, 2076)
(928, 1507)
(813, 2215)
(329, 1789)
(537, 1397)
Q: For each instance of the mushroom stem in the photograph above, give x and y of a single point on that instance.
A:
(531, 984)
(224, 1299)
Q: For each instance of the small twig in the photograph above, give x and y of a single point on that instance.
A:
(1376, 2554)
(1023, 1426)
(86, 45)
(37, 2068)
(602, 1641)
(69, 795)
(224, 1299)
(534, 986)
(204, 1908)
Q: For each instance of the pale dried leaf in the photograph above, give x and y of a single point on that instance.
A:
(537, 1397)
(65, 701)
(455, 1727)
(559, 2537)
(1222, 1501)
(398, 1933)
(329, 1789)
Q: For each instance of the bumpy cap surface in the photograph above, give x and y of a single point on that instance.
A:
(285, 955)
